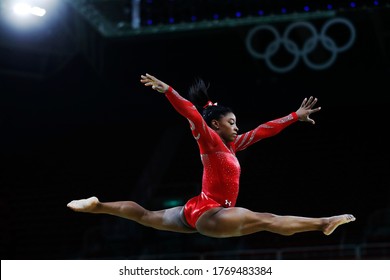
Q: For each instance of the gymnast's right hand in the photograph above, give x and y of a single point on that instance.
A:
(156, 84)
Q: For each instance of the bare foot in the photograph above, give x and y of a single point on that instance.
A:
(336, 221)
(84, 205)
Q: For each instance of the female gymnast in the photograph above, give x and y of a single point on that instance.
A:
(213, 212)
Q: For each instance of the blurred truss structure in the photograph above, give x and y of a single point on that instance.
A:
(122, 18)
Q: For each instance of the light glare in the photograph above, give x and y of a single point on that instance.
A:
(23, 9)
(38, 11)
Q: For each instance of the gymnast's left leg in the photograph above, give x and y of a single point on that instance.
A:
(237, 221)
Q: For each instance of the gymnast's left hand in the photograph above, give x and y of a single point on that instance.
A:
(306, 109)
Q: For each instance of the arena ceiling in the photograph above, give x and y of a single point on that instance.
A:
(74, 26)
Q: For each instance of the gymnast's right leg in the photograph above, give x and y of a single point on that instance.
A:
(170, 219)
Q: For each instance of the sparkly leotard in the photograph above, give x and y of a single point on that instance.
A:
(221, 169)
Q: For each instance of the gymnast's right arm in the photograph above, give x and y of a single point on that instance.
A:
(182, 105)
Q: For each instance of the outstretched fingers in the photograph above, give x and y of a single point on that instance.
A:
(309, 103)
(310, 120)
(304, 103)
(147, 80)
(151, 81)
(156, 84)
(315, 110)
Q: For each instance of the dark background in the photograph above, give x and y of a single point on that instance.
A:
(76, 122)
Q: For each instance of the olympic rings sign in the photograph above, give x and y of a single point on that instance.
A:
(296, 51)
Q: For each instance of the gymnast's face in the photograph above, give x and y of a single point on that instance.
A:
(226, 127)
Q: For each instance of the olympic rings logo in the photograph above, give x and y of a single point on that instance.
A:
(296, 51)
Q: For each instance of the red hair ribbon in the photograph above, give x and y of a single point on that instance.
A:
(209, 103)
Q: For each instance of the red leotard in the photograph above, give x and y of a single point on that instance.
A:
(221, 169)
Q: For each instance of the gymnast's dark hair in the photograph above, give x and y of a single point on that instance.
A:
(198, 95)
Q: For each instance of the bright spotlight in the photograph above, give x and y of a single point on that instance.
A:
(29, 15)
(36, 11)
(24, 9)
(21, 9)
